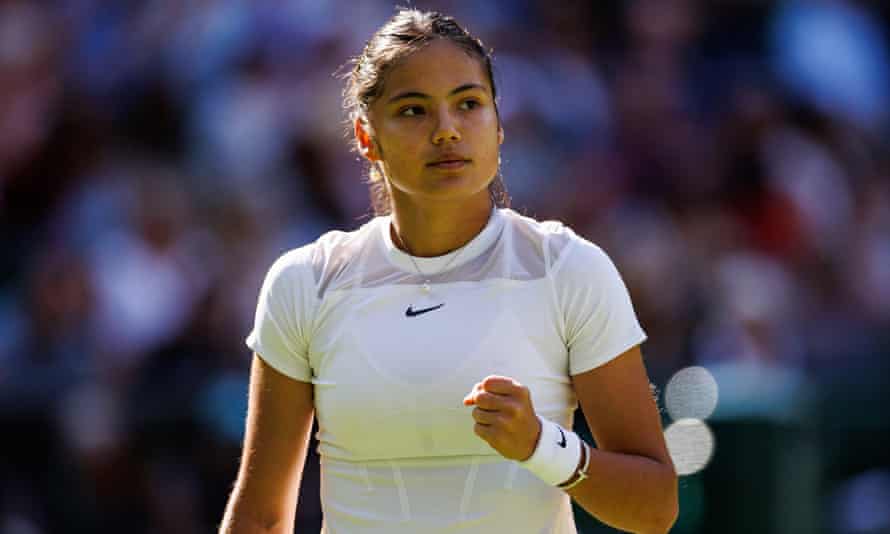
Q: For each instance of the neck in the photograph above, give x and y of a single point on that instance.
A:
(435, 229)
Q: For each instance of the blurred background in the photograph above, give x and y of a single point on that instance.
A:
(157, 156)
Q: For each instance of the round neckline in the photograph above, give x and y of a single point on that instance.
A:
(431, 266)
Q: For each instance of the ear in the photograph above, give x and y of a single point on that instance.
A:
(500, 135)
(366, 144)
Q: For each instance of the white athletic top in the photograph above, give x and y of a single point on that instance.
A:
(391, 363)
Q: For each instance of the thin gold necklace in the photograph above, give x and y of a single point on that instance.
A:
(426, 278)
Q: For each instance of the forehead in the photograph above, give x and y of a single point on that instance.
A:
(435, 69)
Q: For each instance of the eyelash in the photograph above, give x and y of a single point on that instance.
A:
(473, 101)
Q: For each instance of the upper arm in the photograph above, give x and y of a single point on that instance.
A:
(619, 408)
(599, 322)
(279, 421)
(598, 319)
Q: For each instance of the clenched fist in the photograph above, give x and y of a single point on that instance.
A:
(504, 416)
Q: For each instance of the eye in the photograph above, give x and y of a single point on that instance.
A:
(411, 111)
(471, 104)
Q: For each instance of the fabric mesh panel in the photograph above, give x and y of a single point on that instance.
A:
(359, 260)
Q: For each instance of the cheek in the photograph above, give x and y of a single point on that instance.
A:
(397, 143)
(399, 151)
(488, 125)
(487, 138)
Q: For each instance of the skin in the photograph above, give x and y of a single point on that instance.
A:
(632, 484)
(279, 420)
(453, 110)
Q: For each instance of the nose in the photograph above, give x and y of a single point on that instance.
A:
(446, 129)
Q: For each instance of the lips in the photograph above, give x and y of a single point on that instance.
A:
(450, 166)
(448, 161)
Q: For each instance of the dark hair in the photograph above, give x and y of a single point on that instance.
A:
(406, 32)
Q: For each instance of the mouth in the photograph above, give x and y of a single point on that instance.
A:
(449, 164)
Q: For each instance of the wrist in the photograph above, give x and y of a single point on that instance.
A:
(581, 472)
(538, 429)
(557, 454)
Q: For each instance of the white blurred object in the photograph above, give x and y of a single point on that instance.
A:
(691, 393)
(691, 445)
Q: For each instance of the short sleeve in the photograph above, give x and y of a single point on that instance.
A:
(284, 312)
(598, 317)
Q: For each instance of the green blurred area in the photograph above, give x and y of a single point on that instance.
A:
(781, 476)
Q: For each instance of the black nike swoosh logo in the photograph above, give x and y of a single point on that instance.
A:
(563, 442)
(414, 313)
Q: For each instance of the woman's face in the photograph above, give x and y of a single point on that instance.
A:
(436, 105)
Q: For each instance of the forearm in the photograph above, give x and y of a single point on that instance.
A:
(631, 493)
(248, 526)
(240, 518)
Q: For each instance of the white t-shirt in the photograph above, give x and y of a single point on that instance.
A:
(391, 362)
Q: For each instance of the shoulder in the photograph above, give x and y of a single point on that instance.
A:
(532, 226)
(316, 263)
(559, 245)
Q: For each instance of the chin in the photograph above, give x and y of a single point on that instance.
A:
(454, 186)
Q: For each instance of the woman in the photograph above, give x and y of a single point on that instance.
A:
(444, 345)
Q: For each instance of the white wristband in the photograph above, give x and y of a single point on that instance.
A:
(557, 454)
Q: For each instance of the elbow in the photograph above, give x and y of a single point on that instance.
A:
(247, 525)
(243, 518)
(666, 521)
(669, 504)
(664, 505)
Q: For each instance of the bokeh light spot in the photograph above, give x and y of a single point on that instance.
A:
(691, 394)
(691, 445)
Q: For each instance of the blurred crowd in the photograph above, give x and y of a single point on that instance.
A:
(157, 156)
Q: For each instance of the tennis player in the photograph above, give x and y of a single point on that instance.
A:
(445, 345)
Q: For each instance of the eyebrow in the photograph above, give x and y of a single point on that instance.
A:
(415, 94)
